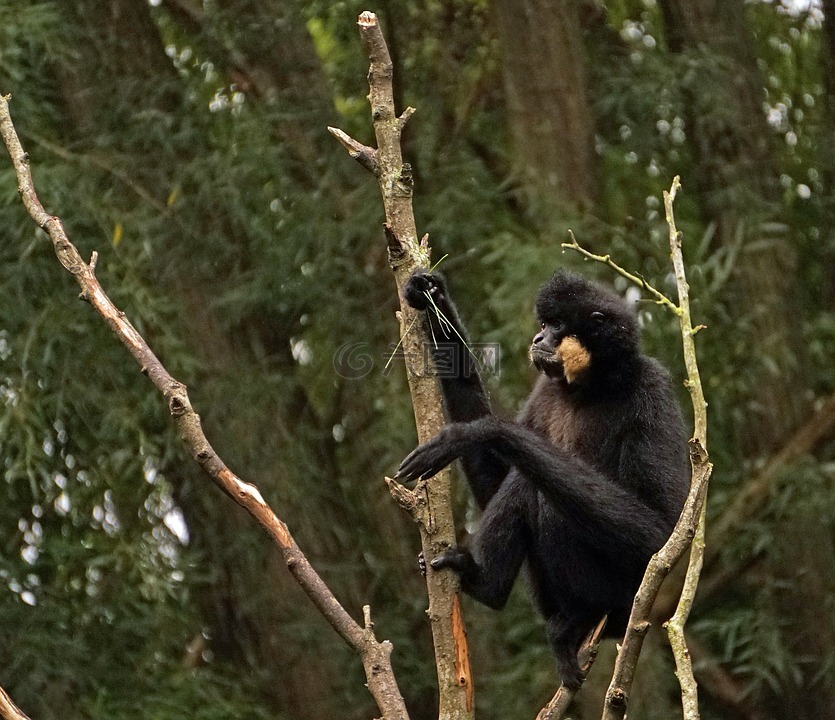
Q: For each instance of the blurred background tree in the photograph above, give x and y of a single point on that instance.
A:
(185, 141)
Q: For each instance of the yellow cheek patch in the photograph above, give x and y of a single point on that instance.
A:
(574, 357)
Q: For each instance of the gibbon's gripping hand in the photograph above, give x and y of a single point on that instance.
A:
(433, 456)
(421, 284)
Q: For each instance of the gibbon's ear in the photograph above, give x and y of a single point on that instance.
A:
(575, 358)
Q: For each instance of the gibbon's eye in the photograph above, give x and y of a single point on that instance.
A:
(542, 325)
(597, 316)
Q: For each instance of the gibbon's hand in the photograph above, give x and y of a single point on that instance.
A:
(419, 285)
(430, 458)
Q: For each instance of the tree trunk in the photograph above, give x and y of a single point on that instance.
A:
(548, 112)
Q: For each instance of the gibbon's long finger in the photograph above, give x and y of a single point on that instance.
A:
(432, 471)
(425, 461)
(419, 467)
(410, 468)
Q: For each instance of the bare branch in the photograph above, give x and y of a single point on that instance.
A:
(690, 524)
(8, 710)
(430, 503)
(675, 627)
(375, 655)
(364, 155)
(617, 697)
(660, 297)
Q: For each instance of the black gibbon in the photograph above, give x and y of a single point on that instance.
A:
(587, 483)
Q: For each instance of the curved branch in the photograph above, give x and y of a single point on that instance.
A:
(8, 710)
(375, 655)
(660, 298)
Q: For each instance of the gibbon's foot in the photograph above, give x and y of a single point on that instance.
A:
(571, 676)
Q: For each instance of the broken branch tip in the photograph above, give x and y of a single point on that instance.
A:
(367, 19)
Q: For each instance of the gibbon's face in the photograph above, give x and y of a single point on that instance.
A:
(583, 326)
(557, 354)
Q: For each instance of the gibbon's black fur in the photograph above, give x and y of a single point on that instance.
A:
(588, 482)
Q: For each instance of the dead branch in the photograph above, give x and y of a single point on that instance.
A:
(429, 504)
(675, 626)
(8, 710)
(375, 655)
(617, 696)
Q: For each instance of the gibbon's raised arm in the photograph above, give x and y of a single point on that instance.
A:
(465, 398)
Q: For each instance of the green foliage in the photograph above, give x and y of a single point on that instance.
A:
(247, 249)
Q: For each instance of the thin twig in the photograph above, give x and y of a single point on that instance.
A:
(660, 298)
(364, 155)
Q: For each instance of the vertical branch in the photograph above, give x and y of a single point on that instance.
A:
(430, 503)
(694, 383)
(690, 525)
(675, 626)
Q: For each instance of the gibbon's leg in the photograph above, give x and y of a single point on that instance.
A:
(497, 549)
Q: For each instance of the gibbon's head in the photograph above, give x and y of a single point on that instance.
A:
(585, 329)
